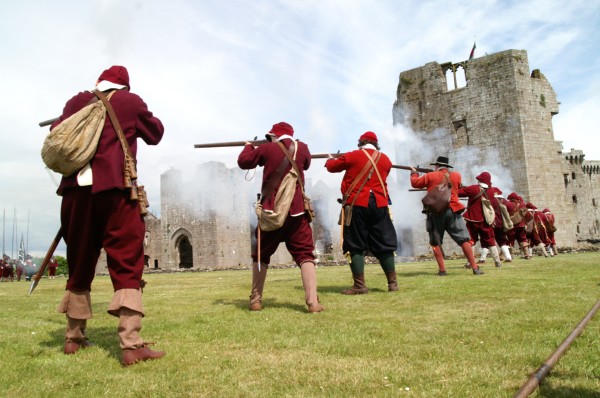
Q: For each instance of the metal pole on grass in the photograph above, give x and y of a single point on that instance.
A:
(536, 378)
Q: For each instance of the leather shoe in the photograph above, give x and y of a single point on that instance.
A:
(71, 346)
(478, 272)
(256, 306)
(143, 353)
(314, 308)
(442, 273)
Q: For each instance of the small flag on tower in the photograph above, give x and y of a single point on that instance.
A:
(472, 55)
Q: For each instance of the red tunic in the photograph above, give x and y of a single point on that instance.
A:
(270, 156)
(435, 178)
(136, 121)
(352, 163)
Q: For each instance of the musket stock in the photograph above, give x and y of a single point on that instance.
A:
(48, 122)
(232, 143)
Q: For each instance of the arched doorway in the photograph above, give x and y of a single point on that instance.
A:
(184, 252)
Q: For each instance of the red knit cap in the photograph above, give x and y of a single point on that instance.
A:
(368, 136)
(116, 74)
(282, 128)
(485, 177)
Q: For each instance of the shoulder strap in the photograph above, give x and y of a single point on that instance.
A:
(129, 164)
(114, 120)
(292, 160)
(358, 178)
(277, 175)
(374, 163)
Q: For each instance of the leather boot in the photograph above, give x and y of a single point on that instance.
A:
(75, 336)
(258, 284)
(525, 250)
(439, 258)
(308, 272)
(496, 256)
(134, 349)
(392, 282)
(359, 286)
(78, 308)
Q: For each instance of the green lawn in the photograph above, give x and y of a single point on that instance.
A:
(454, 336)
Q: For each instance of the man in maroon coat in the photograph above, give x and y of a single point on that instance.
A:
(296, 231)
(366, 198)
(550, 229)
(97, 212)
(478, 228)
(518, 233)
(451, 219)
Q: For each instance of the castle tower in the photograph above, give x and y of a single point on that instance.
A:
(499, 119)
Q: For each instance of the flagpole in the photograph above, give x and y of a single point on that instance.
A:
(27, 238)
(12, 241)
(3, 230)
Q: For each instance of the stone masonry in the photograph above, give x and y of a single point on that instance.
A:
(501, 121)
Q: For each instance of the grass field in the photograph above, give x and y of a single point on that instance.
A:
(454, 336)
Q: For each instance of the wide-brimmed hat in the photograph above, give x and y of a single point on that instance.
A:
(441, 161)
(279, 129)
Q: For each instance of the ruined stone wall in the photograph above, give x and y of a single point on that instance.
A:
(500, 122)
(582, 182)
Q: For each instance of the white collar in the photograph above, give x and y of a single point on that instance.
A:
(284, 137)
(368, 146)
(106, 85)
(483, 185)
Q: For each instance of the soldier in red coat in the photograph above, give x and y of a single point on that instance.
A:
(295, 231)
(500, 233)
(97, 212)
(52, 266)
(537, 232)
(367, 225)
(451, 219)
(551, 229)
(519, 216)
(478, 227)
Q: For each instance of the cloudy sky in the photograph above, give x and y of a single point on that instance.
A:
(216, 70)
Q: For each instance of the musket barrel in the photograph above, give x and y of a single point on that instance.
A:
(325, 155)
(48, 122)
(230, 144)
(420, 169)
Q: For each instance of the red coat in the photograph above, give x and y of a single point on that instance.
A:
(352, 163)
(474, 211)
(136, 121)
(270, 156)
(435, 178)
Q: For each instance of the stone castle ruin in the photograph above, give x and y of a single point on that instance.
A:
(500, 120)
(490, 113)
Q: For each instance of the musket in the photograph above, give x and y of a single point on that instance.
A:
(394, 166)
(254, 142)
(420, 169)
(48, 122)
(46, 260)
